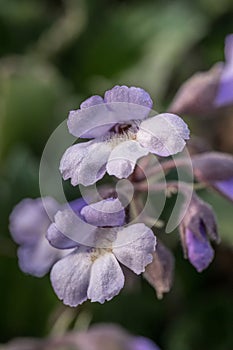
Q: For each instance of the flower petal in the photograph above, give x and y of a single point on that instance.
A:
(85, 162)
(59, 240)
(225, 187)
(29, 220)
(70, 276)
(134, 247)
(38, 259)
(108, 212)
(92, 101)
(141, 343)
(164, 134)
(123, 158)
(225, 91)
(128, 94)
(106, 280)
(199, 250)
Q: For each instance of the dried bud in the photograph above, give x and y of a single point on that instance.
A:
(197, 227)
(160, 272)
(216, 170)
(196, 96)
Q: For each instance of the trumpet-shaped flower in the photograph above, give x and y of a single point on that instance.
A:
(93, 271)
(121, 133)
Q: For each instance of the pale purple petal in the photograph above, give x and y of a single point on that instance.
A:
(29, 220)
(141, 343)
(70, 277)
(123, 158)
(37, 259)
(108, 212)
(56, 238)
(164, 134)
(71, 159)
(225, 187)
(199, 250)
(85, 163)
(59, 240)
(134, 247)
(128, 94)
(92, 101)
(96, 117)
(74, 228)
(106, 280)
(229, 48)
(225, 91)
(77, 205)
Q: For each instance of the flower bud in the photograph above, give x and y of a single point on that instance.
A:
(216, 170)
(197, 227)
(160, 272)
(196, 96)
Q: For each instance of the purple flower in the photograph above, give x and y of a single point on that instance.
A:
(28, 225)
(29, 222)
(196, 228)
(216, 170)
(225, 89)
(98, 337)
(121, 133)
(92, 271)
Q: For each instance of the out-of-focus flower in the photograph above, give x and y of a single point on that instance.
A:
(28, 225)
(29, 222)
(93, 272)
(205, 92)
(197, 227)
(160, 272)
(225, 88)
(121, 132)
(99, 337)
(215, 169)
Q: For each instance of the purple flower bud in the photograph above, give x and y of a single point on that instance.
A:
(160, 272)
(196, 96)
(196, 228)
(216, 170)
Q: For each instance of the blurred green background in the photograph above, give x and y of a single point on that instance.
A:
(54, 54)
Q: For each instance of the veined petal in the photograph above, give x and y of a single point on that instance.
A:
(123, 158)
(164, 134)
(106, 280)
(85, 162)
(70, 276)
(128, 94)
(108, 212)
(37, 259)
(134, 246)
(71, 159)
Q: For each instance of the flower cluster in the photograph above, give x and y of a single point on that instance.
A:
(85, 244)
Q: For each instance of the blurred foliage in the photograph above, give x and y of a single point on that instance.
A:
(53, 54)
